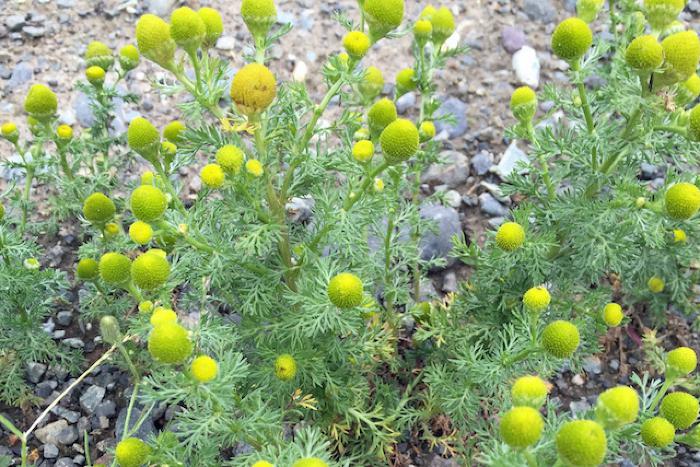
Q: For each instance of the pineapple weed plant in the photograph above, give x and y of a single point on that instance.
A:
(285, 335)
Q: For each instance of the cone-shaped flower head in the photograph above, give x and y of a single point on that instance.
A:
(443, 24)
(400, 141)
(345, 290)
(383, 16)
(587, 10)
(230, 158)
(140, 232)
(560, 339)
(581, 443)
(645, 53)
(612, 314)
(163, 315)
(656, 284)
(427, 131)
(680, 408)
(356, 44)
(372, 83)
(64, 132)
(41, 103)
(692, 86)
(262, 464)
(143, 138)
(285, 367)
(95, 76)
(115, 268)
(422, 30)
(98, 54)
(212, 176)
(521, 427)
(536, 299)
(529, 391)
(8, 130)
(310, 462)
(658, 432)
(173, 130)
(254, 167)
(259, 16)
(98, 208)
(405, 81)
(204, 369)
(213, 24)
(679, 236)
(131, 452)
(154, 41)
(510, 236)
(169, 343)
(380, 115)
(617, 407)
(571, 39)
(694, 124)
(253, 88)
(363, 151)
(682, 53)
(150, 270)
(662, 13)
(87, 269)
(523, 104)
(682, 201)
(187, 28)
(680, 362)
(129, 57)
(148, 203)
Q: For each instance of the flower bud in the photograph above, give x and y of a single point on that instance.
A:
(154, 41)
(427, 131)
(254, 167)
(259, 16)
(694, 124)
(612, 314)
(64, 132)
(143, 138)
(87, 269)
(95, 76)
(383, 16)
(8, 130)
(380, 115)
(173, 131)
(363, 151)
(98, 208)
(617, 407)
(98, 54)
(536, 299)
(109, 330)
(41, 103)
(132, 452)
(656, 284)
(356, 44)
(422, 31)
(529, 391)
(571, 39)
(521, 427)
(523, 104)
(587, 10)
(680, 408)
(128, 57)
(213, 24)
(140, 232)
(662, 13)
(253, 89)
(443, 25)
(680, 362)
(187, 28)
(372, 83)
(405, 81)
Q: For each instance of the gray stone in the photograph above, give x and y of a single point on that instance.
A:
(300, 209)
(513, 39)
(453, 198)
(526, 65)
(50, 451)
(91, 398)
(106, 408)
(437, 461)
(579, 406)
(649, 171)
(614, 364)
(449, 282)
(540, 10)
(45, 388)
(21, 74)
(491, 206)
(64, 318)
(452, 173)
(15, 22)
(593, 365)
(74, 342)
(482, 162)
(64, 462)
(145, 430)
(226, 43)
(458, 111)
(34, 32)
(59, 433)
(160, 7)
(438, 243)
(83, 112)
(406, 102)
(513, 157)
(65, 3)
(35, 371)
(71, 416)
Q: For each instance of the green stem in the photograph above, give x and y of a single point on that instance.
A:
(260, 49)
(64, 165)
(192, 53)
(543, 163)
(590, 126)
(531, 460)
(416, 232)
(662, 392)
(136, 293)
(613, 18)
(369, 178)
(522, 355)
(129, 362)
(29, 178)
(679, 130)
(170, 189)
(387, 261)
(192, 89)
(130, 408)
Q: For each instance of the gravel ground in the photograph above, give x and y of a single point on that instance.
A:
(44, 40)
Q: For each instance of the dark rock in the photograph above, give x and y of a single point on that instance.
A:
(491, 206)
(513, 39)
(145, 430)
(15, 23)
(59, 433)
(64, 318)
(50, 451)
(91, 398)
(35, 371)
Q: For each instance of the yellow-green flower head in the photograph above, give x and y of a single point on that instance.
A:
(443, 24)
(662, 13)
(692, 86)
(423, 30)
(378, 185)
(383, 16)
(150, 270)
(212, 176)
(143, 137)
(529, 391)
(64, 132)
(230, 158)
(87, 269)
(427, 131)
(285, 367)
(140, 232)
(145, 306)
(680, 361)
(148, 203)
(147, 177)
(345, 290)
(363, 151)
(399, 141)
(112, 229)
(131, 452)
(617, 407)
(41, 103)
(98, 208)
(98, 54)
(560, 339)
(372, 83)
(581, 443)
(173, 130)
(187, 28)
(537, 299)
(510, 236)
(168, 150)
(679, 236)
(427, 12)
(682, 53)
(694, 124)
(612, 314)
(163, 315)
(521, 427)
(523, 104)
(658, 432)
(571, 39)
(645, 53)
(380, 115)
(213, 24)
(680, 408)
(259, 16)
(656, 284)
(204, 369)
(587, 10)
(154, 41)
(8, 130)
(254, 167)
(310, 462)
(253, 89)
(405, 80)
(169, 343)
(115, 268)
(262, 464)
(95, 75)
(129, 57)
(31, 264)
(356, 44)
